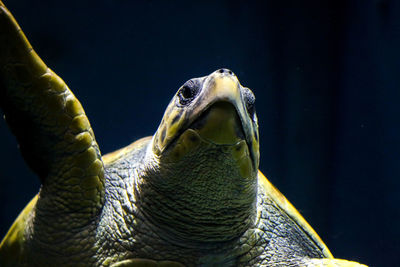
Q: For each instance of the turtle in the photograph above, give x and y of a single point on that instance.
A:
(190, 195)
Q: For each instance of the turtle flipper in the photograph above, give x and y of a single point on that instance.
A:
(332, 263)
(51, 127)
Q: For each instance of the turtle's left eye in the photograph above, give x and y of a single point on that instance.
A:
(250, 101)
(188, 92)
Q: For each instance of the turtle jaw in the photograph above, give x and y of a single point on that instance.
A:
(219, 126)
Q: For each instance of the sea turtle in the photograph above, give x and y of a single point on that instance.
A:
(190, 195)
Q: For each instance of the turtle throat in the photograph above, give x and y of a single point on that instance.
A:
(202, 195)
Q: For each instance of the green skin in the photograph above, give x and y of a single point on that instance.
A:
(190, 195)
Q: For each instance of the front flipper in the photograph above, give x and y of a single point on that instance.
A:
(52, 130)
(332, 263)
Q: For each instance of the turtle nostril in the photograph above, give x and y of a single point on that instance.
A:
(227, 71)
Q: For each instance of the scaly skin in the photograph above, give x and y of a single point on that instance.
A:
(190, 195)
(56, 141)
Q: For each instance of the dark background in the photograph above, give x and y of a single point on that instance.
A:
(326, 75)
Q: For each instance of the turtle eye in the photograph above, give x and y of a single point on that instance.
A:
(188, 92)
(250, 101)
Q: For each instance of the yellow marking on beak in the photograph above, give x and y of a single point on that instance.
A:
(226, 86)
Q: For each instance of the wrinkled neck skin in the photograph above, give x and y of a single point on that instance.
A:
(200, 199)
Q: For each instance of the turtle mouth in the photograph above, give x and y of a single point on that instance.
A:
(207, 128)
(219, 124)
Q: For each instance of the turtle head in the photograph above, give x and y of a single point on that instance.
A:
(200, 182)
(214, 109)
